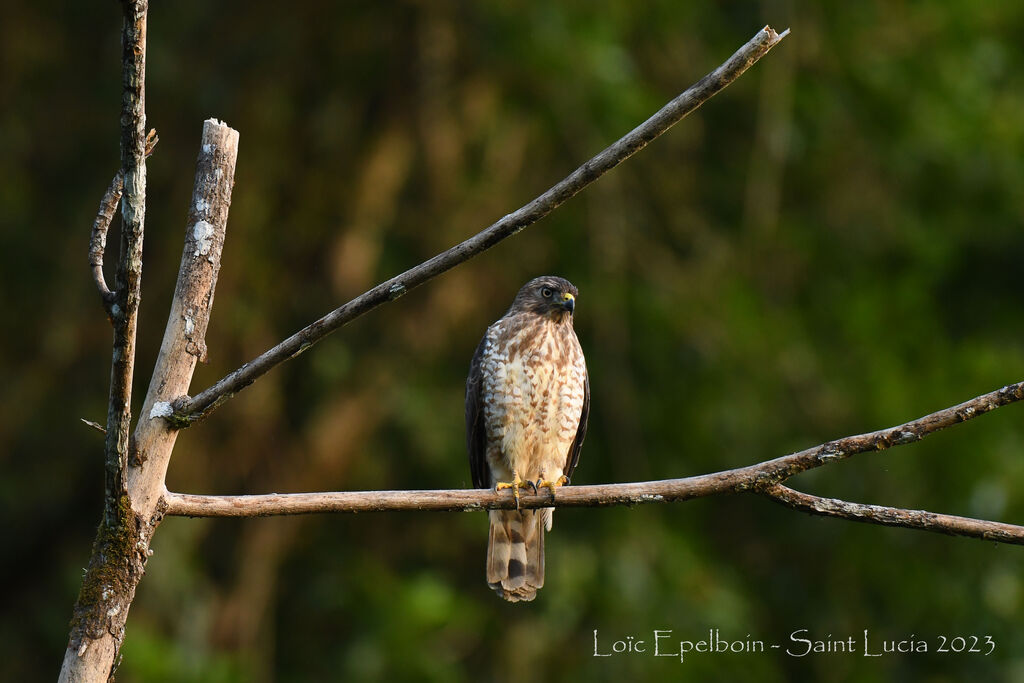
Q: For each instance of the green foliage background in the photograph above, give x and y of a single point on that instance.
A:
(831, 246)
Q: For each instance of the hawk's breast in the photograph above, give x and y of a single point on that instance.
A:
(533, 390)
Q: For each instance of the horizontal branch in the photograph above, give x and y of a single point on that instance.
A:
(887, 516)
(188, 410)
(763, 478)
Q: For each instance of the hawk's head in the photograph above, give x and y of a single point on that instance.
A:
(550, 296)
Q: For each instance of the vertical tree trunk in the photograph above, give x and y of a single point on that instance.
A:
(122, 541)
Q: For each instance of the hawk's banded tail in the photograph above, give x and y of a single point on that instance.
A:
(515, 552)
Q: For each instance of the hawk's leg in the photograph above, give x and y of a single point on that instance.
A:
(543, 483)
(514, 485)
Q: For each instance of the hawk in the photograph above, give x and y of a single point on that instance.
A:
(527, 401)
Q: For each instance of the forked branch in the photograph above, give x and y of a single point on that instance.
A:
(122, 546)
(763, 478)
(188, 410)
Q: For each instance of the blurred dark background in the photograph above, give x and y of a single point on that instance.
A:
(831, 246)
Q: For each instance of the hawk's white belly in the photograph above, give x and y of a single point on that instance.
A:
(533, 390)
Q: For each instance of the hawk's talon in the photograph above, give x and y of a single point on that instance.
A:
(514, 485)
(542, 483)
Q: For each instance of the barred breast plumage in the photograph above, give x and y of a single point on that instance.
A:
(527, 401)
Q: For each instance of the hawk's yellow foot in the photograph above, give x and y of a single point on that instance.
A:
(514, 485)
(543, 483)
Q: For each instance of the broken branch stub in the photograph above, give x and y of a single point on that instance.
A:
(184, 337)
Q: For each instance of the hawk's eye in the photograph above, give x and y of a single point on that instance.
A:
(546, 292)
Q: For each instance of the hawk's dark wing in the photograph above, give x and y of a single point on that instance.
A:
(476, 439)
(581, 431)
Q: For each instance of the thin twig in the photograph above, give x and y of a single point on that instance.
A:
(98, 236)
(888, 516)
(763, 478)
(95, 425)
(188, 410)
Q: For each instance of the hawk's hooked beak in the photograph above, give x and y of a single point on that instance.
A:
(568, 302)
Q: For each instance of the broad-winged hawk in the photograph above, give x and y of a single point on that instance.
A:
(527, 400)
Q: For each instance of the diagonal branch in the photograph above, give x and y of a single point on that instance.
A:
(188, 410)
(887, 516)
(764, 478)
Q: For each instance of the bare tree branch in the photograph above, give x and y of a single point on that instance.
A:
(122, 547)
(128, 280)
(95, 425)
(98, 236)
(184, 342)
(887, 516)
(188, 410)
(95, 639)
(764, 478)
